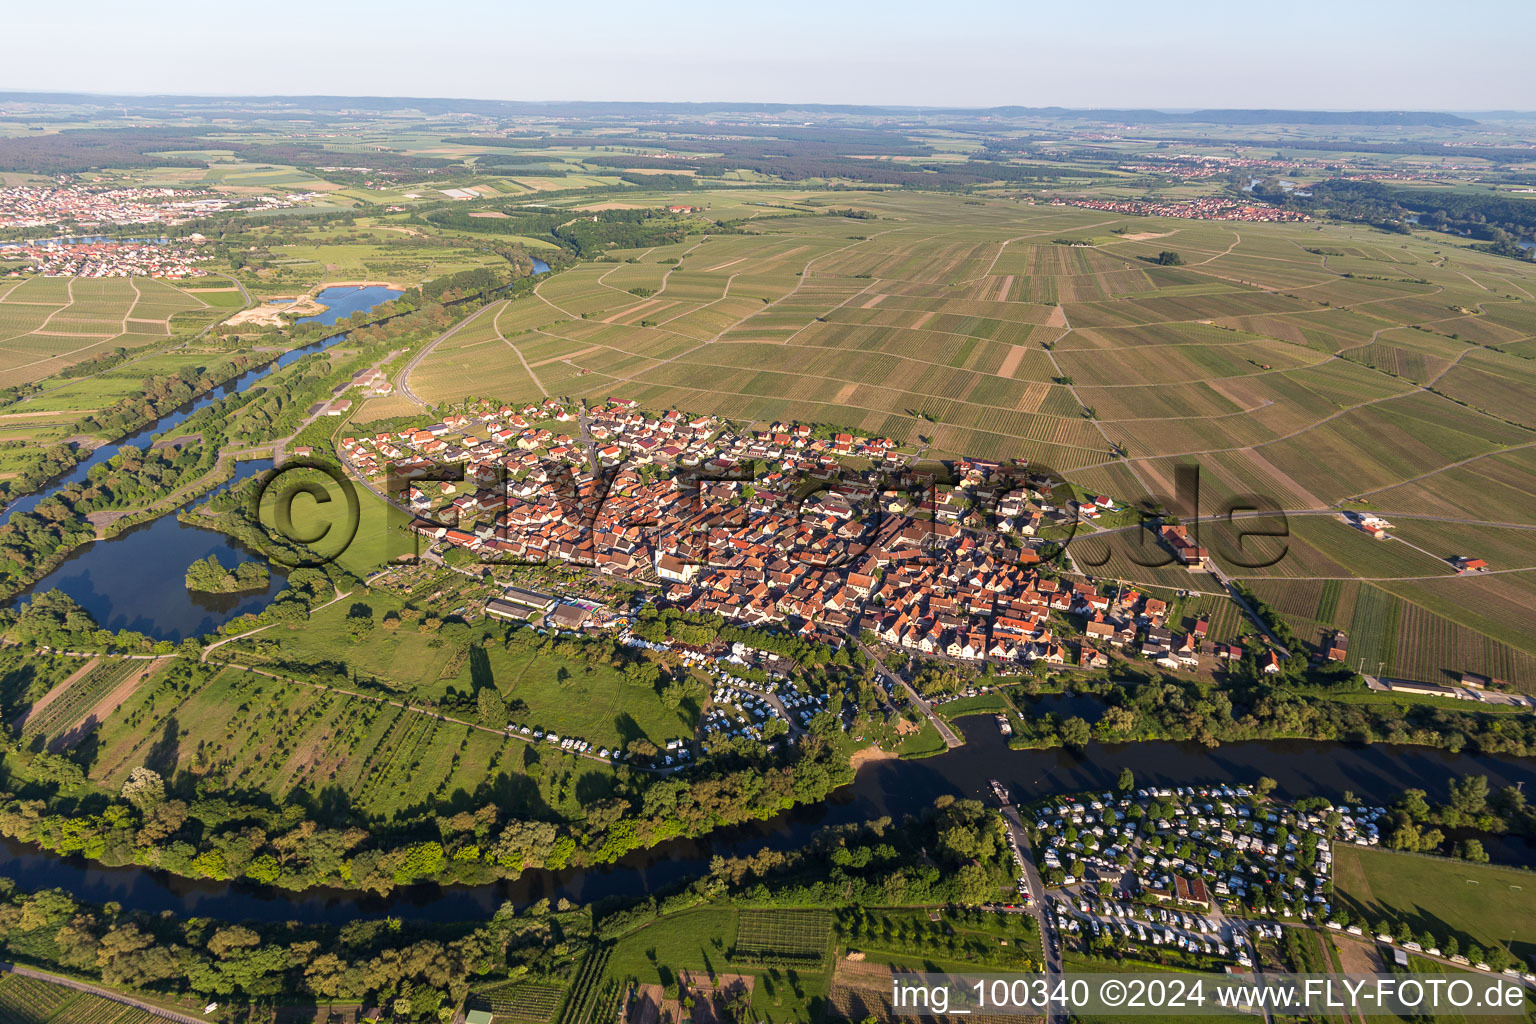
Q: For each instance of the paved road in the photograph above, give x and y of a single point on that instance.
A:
(587, 440)
(951, 738)
(1050, 942)
(1248, 609)
(403, 382)
(777, 705)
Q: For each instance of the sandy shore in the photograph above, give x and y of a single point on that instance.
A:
(868, 754)
(270, 313)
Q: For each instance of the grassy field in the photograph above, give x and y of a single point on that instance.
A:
(692, 940)
(274, 736)
(1480, 903)
(700, 941)
(1095, 965)
(703, 939)
(591, 701)
(374, 542)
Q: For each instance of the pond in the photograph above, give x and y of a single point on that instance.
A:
(108, 577)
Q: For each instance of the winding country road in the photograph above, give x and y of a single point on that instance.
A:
(403, 381)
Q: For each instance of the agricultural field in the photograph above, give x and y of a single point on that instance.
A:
(782, 936)
(26, 1000)
(78, 704)
(48, 324)
(521, 1002)
(1479, 903)
(361, 254)
(274, 736)
(698, 941)
(1401, 631)
(593, 701)
(1302, 367)
(1298, 367)
(975, 332)
(390, 726)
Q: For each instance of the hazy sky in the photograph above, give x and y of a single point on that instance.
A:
(1475, 54)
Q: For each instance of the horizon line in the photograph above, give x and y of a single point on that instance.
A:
(40, 95)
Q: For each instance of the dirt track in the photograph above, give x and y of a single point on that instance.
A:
(53, 694)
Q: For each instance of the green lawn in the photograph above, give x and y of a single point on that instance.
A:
(1423, 965)
(692, 940)
(924, 743)
(1482, 903)
(568, 696)
(369, 548)
(983, 704)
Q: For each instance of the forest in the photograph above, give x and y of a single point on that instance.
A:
(1489, 216)
(625, 229)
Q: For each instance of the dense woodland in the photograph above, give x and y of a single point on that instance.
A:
(582, 236)
(951, 852)
(1487, 216)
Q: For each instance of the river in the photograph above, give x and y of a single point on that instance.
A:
(340, 302)
(1375, 773)
(107, 577)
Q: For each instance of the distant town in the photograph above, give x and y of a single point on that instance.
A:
(25, 206)
(103, 258)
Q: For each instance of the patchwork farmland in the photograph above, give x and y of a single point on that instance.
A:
(1392, 379)
(48, 324)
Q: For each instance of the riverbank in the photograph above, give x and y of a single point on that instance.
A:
(883, 787)
(112, 524)
(271, 313)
